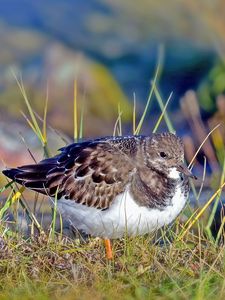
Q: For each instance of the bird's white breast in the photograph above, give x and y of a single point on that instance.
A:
(124, 216)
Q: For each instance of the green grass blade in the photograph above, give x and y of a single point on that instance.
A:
(215, 206)
(18, 197)
(162, 114)
(10, 200)
(6, 186)
(75, 116)
(161, 105)
(6, 205)
(139, 126)
(134, 114)
(54, 215)
(157, 72)
(29, 123)
(81, 130)
(44, 130)
(32, 115)
(203, 180)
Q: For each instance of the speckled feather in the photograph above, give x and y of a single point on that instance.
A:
(94, 172)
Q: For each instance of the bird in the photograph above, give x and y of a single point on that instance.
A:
(111, 186)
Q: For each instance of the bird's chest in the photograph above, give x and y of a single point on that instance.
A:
(124, 216)
(142, 219)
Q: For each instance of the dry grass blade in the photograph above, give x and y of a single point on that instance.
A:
(120, 113)
(201, 212)
(203, 180)
(189, 220)
(117, 123)
(31, 216)
(28, 150)
(199, 148)
(173, 280)
(52, 233)
(220, 231)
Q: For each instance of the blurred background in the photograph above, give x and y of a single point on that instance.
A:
(111, 48)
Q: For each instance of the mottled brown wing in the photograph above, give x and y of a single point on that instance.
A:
(91, 174)
(98, 175)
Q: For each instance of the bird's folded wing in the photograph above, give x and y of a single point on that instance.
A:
(92, 174)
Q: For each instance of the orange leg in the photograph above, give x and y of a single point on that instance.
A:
(108, 249)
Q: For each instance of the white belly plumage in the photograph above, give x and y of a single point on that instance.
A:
(124, 216)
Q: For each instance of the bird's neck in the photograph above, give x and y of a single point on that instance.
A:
(153, 188)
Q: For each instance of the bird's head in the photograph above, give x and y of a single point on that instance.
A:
(165, 152)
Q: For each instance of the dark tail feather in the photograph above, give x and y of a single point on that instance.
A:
(11, 173)
(31, 176)
(38, 177)
(35, 177)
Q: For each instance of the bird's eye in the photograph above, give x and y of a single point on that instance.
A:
(162, 154)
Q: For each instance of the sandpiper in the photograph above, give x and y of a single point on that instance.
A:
(111, 186)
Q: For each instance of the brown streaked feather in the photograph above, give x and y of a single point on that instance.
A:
(96, 182)
(91, 173)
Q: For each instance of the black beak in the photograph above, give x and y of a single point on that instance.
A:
(183, 169)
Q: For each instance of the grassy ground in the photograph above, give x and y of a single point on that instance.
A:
(43, 269)
(184, 264)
